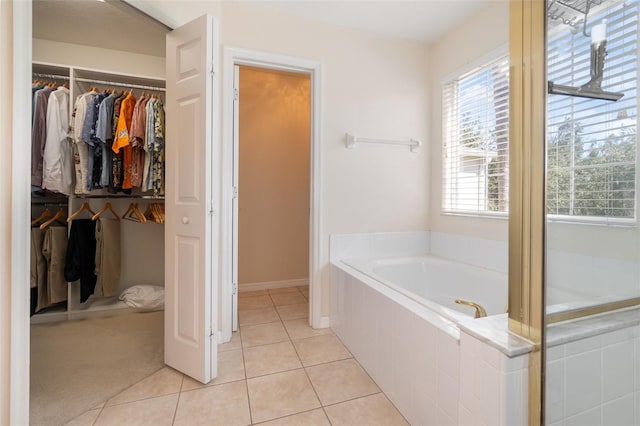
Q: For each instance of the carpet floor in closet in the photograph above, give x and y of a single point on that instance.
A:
(78, 365)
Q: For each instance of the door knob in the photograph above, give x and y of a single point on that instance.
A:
(185, 220)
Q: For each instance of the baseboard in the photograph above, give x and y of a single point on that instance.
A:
(325, 322)
(273, 284)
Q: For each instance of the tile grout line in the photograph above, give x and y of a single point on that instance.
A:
(175, 411)
(307, 375)
(246, 380)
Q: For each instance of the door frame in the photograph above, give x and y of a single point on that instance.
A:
(237, 56)
(16, 332)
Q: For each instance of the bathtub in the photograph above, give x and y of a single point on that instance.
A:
(436, 283)
(398, 318)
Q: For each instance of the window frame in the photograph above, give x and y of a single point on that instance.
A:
(480, 63)
(605, 221)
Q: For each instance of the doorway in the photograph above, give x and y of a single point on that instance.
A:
(271, 206)
(267, 64)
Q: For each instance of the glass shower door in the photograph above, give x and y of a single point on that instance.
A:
(592, 282)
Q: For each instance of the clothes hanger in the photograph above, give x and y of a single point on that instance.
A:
(141, 217)
(45, 214)
(107, 207)
(133, 213)
(59, 215)
(84, 207)
(150, 213)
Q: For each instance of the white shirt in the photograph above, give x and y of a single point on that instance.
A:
(57, 158)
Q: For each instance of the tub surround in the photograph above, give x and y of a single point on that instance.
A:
(593, 376)
(494, 332)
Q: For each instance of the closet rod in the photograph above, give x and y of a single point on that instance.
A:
(117, 83)
(53, 76)
(49, 204)
(139, 197)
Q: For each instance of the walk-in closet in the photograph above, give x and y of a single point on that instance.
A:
(97, 204)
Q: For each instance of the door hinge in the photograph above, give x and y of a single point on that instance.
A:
(212, 71)
(235, 94)
(235, 288)
(235, 192)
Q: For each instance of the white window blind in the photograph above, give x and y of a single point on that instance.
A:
(591, 144)
(476, 140)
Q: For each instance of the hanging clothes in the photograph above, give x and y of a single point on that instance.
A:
(121, 140)
(80, 258)
(104, 133)
(148, 146)
(81, 149)
(158, 148)
(136, 139)
(58, 155)
(38, 269)
(39, 133)
(107, 258)
(117, 170)
(54, 250)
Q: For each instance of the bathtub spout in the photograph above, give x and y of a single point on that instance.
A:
(480, 311)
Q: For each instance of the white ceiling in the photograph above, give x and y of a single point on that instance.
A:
(420, 20)
(112, 24)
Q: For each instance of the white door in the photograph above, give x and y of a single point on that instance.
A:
(191, 292)
(236, 152)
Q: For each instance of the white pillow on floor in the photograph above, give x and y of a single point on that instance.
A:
(148, 297)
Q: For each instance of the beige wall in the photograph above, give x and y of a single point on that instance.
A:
(273, 227)
(480, 35)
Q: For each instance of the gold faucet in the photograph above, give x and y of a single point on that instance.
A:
(480, 311)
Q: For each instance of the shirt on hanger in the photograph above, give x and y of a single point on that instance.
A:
(57, 173)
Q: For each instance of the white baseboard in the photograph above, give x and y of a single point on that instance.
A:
(325, 322)
(273, 284)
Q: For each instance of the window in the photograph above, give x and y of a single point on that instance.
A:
(476, 140)
(591, 144)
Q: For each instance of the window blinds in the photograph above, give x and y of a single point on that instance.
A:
(476, 140)
(591, 144)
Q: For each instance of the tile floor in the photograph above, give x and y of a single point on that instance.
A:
(275, 371)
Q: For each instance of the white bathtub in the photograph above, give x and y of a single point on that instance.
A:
(398, 319)
(436, 283)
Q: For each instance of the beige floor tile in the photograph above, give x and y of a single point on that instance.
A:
(234, 343)
(258, 316)
(297, 311)
(340, 381)
(371, 410)
(86, 419)
(291, 298)
(230, 369)
(153, 412)
(263, 334)
(283, 290)
(320, 349)
(252, 293)
(255, 302)
(280, 394)
(300, 329)
(164, 382)
(268, 359)
(215, 405)
(310, 418)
